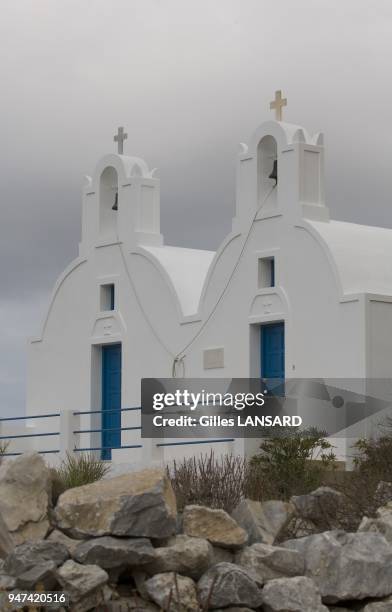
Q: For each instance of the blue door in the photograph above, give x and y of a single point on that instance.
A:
(111, 399)
(272, 355)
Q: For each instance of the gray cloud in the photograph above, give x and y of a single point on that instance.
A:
(189, 80)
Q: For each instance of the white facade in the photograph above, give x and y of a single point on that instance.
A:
(333, 287)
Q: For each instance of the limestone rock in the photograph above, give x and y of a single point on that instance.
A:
(226, 585)
(264, 562)
(381, 524)
(263, 521)
(180, 591)
(7, 583)
(42, 574)
(138, 504)
(25, 495)
(6, 541)
(184, 555)
(298, 594)
(109, 552)
(69, 543)
(346, 565)
(379, 606)
(30, 554)
(321, 504)
(221, 555)
(79, 581)
(214, 525)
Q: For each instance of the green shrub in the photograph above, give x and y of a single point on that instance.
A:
(77, 470)
(290, 462)
(4, 444)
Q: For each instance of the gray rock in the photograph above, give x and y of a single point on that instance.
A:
(347, 565)
(226, 585)
(80, 581)
(319, 505)
(379, 606)
(131, 604)
(108, 552)
(265, 562)
(221, 555)
(28, 555)
(25, 497)
(298, 594)
(7, 583)
(139, 504)
(42, 574)
(214, 525)
(69, 543)
(233, 609)
(263, 521)
(179, 591)
(381, 524)
(184, 555)
(6, 541)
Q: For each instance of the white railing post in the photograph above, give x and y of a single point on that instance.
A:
(68, 424)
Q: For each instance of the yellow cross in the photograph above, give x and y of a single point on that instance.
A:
(278, 104)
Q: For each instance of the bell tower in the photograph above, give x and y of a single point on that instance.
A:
(121, 202)
(280, 171)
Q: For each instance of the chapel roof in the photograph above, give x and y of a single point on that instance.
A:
(187, 270)
(362, 254)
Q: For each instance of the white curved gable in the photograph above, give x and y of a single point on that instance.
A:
(362, 253)
(187, 269)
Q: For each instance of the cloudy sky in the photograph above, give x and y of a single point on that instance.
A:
(189, 79)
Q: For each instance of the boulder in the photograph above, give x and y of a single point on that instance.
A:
(60, 537)
(30, 554)
(25, 497)
(298, 594)
(81, 581)
(7, 583)
(320, 505)
(226, 585)
(381, 524)
(214, 525)
(184, 555)
(6, 541)
(379, 606)
(42, 574)
(109, 552)
(139, 504)
(265, 562)
(221, 555)
(263, 521)
(346, 565)
(172, 591)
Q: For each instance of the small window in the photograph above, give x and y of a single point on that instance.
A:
(107, 297)
(266, 272)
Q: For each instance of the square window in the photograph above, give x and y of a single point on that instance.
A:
(266, 272)
(107, 297)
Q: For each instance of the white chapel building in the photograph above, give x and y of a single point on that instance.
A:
(289, 293)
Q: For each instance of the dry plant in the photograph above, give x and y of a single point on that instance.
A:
(77, 470)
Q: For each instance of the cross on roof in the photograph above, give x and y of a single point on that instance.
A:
(119, 138)
(278, 104)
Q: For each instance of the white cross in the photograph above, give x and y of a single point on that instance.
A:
(278, 104)
(119, 138)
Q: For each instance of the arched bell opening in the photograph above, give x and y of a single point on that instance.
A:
(267, 170)
(108, 203)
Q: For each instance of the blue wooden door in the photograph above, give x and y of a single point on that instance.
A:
(272, 354)
(111, 399)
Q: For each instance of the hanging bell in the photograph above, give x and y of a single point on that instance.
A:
(274, 173)
(115, 205)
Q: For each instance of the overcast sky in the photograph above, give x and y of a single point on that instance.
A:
(189, 79)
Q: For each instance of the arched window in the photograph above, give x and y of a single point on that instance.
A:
(108, 203)
(267, 155)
